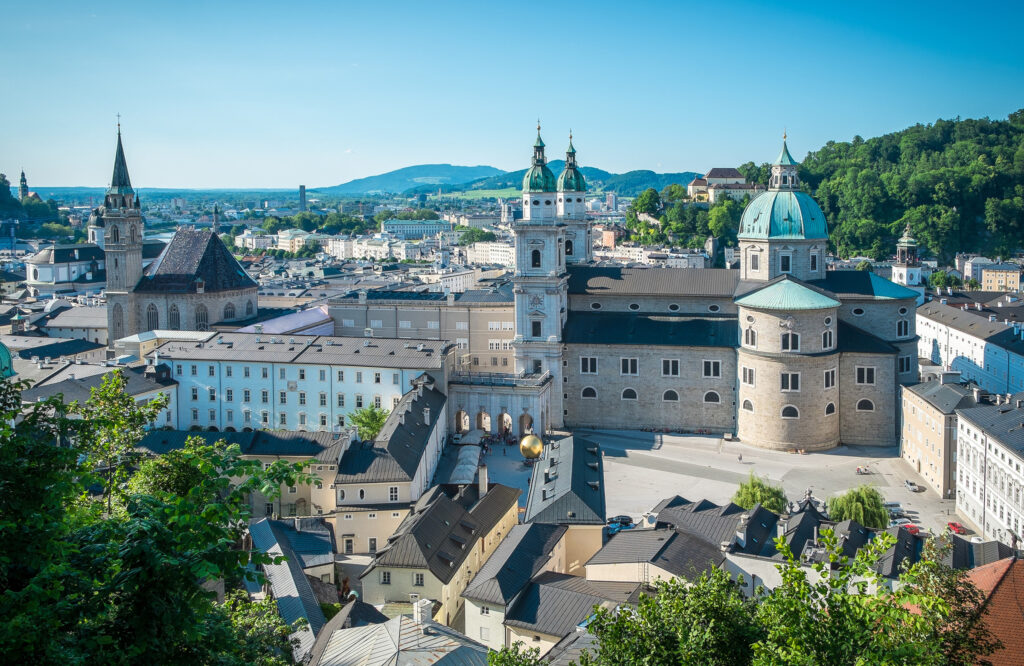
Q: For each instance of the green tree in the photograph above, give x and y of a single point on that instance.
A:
(756, 490)
(369, 421)
(472, 235)
(115, 423)
(865, 266)
(863, 504)
(939, 279)
(973, 284)
(516, 655)
(647, 202)
(707, 622)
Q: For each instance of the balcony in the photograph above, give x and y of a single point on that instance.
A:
(499, 378)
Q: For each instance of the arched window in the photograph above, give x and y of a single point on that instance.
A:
(712, 396)
(588, 392)
(790, 412)
(115, 234)
(750, 337)
(790, 342)
(748, 406)
(174, 318)
(628, 394)
(535, 259)
(152, 318)
(248, 308)
(229, 312)
(826, 340)
(670, 396)
(362, 494)
(830, 408)
(341, 495)
(202, 318)
(133, 234)
(865, 406)
(568, 248)
(118, 317)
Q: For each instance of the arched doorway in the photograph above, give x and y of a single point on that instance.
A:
(525, 423)
(483, 421)
(300, 507)
(461, 421)
(505, 423)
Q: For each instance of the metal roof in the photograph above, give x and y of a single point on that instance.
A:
(680, 554)
(854, 284)
(627, 328)
(946, 398)
(325, 447)
(783, 214)
(519, 556)
(787, 294)
(401, 641)
(855, 340)
(556, 603)
(615, 280)
(1003, 423)
(993, 332)
(80, 388)
(567, 484)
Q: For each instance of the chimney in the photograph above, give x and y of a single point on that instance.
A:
(977, 306)
(426, 416)
(949, 290)
(1020, 403)
(944, 301)
(976, 393)
(482, 478)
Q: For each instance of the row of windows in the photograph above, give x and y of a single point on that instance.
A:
(229, 396)
(790, 341)
(202, 316)
(673, 307)
(392, 497)
(670, 367)
(211, 371)
(785, 261)
(791, 412)
(590, 393)
(229, 417)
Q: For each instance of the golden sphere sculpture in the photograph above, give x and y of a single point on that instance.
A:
(531, 446)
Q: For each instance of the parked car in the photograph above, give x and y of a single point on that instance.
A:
(891, 505)
(899, 521)
(897, 513)
(615, 528)
(913, 529)
(911, 486)
(956, 528)
(621, 520)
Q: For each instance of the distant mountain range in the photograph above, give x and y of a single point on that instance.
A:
(413, 177)
(429, 178)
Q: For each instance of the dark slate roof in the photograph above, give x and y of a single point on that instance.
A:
(324, 447)
(443, 528)
(1004, 423)
(514, 562)
(80, 388)
(70, 252)
(907, 547)
(723, 172)
(555, 603)
(120, 183)
(567, 484)
(569, 650)
(703, 518)
(680, 554)
(858, 341)
(58, 349)
(288, 583)
(854, 284)
(967, 321)
(310, 539)
(502, 294)
(963, 554)
(398, 450)
(609, 280)
(626, 328)
(194, 255)
(946, 398)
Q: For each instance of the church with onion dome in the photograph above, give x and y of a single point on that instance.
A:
(780, 353)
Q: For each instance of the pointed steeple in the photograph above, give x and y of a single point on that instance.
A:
(216, 219)
(784, 158)
(23, 186)
(120, 183)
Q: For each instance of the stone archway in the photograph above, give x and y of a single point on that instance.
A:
(461, 421)
(483, 421)
(525, 423)
(505, 423)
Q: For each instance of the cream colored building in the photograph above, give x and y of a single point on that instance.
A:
(929, 437)
(1000, 277)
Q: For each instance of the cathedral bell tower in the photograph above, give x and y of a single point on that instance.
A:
(23, 187)
(121, 220)
(906, 270)
(541, 280)
(572, 189)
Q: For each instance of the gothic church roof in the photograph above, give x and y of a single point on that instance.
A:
(193, 256)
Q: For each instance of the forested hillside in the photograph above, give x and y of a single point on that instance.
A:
(959, 183)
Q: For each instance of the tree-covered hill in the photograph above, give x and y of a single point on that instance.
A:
(958, 183)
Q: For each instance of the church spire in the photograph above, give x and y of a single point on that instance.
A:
(23, 186)
(120, 193)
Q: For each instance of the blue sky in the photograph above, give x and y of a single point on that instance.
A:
(275, 94)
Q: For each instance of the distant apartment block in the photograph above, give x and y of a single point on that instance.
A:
(1000, 277)
(414, 229)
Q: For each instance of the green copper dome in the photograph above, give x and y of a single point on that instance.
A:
(6, 363)
(571, 180)
(784, 214)
(539, 178)
(787, 295)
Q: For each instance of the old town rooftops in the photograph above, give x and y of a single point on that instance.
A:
(310, 349)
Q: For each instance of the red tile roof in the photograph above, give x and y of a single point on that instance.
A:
(1003, 584)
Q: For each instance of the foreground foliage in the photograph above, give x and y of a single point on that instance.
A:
(119, 578)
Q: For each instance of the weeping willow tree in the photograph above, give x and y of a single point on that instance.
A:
(863, 504)
(756, 490)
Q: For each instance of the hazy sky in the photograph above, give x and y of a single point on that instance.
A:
(255, 94)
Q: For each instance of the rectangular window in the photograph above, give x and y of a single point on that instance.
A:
(826, 340)
(376, 378)
(359, 401)
(417, 579)
(213, 395)
(485, 632)
(323, 399)
(265, 417)
(348, 323)
(712, 368)
(628, 366)
(588, 365)
(785, 263)
(245, 372)
(790, 381)
(283, 397)
(212, 414)
(323, 375)
(754, 262)
(748, 376)
(377, 401)
(178, 369)
(433, 324)
(195, 393)
(323, 420)
(494, 345)
(302, 397)
(385, 577)
(790, 342)
(302, 419)
(246, 395)
(461, 325)
(394, 401)
(669, 367)
(830, 378)
(281, 373)
(404, 323)
(376, 323)
(394, 378)
(507, 325)
(865, 375)
(462, 343)
(372, 543)
(814, 261)
(494, 326)
(211, 371)
(265, 395)
(265, 373)
(341, 400)
(359, 377)
(484, 610)
(283, 418)
(302, 374)
(195, 370)
(902, 328)
(535, 329)
(341, 375)
(227, 371)
(392, 493)
(905, 363)
(229, 395)
(195, 414)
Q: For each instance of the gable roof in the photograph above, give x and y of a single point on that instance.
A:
(1002, 583)
(723, 172)
(519, 556)
(355, 613)
(401, 641)
(194, 256)
(556, 603)
(567, 484)
(677, 553)
(946, 398)
(325, 447)
(80, 388)
(289, 586)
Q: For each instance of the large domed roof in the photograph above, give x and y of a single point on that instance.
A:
(571, 180)
(783, 214)
(6, 362)
(539, 178)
